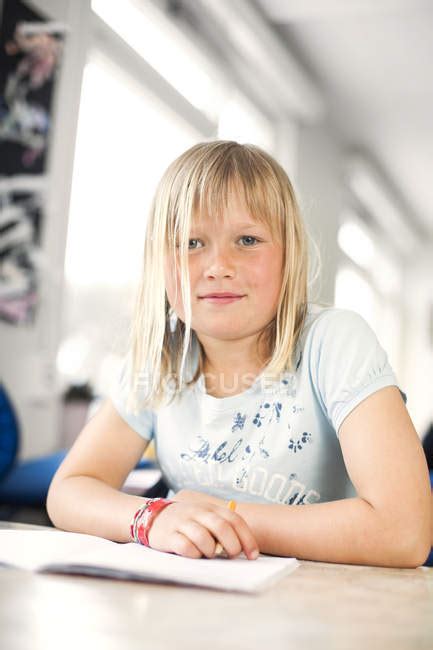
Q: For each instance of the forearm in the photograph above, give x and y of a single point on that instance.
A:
(348, 531)
(83, 504)
(431, 520)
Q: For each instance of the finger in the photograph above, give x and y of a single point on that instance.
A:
(182, 545)
(219, 549)
(199, 536)
(243, 531)
(222, 530)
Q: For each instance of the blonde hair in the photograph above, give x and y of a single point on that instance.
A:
(198, 182)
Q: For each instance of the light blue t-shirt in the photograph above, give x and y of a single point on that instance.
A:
(274, 442)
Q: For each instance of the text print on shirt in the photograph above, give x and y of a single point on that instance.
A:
(222, 462)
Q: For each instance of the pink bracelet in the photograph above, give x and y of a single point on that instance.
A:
(143, 519)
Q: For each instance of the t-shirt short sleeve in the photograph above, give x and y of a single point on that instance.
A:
(144, 421)
(347, 363)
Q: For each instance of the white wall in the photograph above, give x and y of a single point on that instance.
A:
(319, 189)
(418, 348)
(28, 354)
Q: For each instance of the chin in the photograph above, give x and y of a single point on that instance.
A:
(219, 333)
(224, 333)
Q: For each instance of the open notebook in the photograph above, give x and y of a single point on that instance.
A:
(55, 551)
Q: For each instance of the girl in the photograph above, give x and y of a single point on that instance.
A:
(251, 392)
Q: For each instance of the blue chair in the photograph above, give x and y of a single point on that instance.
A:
(24, 484)
(8, 433)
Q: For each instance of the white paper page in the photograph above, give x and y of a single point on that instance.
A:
(34, 549)
(30, 549)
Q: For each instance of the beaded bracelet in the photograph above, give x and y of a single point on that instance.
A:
(143, 519)
(138, 517)
(135, 519)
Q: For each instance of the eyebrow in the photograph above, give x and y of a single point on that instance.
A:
(248, 224)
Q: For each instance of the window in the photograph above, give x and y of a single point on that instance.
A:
(125, 140)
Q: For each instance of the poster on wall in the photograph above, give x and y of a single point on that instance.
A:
(30, 54)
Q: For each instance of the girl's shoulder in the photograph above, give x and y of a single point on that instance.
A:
(323, 315)
(327, 325)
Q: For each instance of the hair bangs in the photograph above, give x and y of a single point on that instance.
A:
(249, 178)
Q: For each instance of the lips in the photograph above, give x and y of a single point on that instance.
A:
(221, 298)
(222, 295)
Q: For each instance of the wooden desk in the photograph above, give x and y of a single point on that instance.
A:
(318, 606)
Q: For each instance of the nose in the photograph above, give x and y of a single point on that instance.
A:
(220, 264)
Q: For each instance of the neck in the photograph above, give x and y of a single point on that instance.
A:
(230, 368)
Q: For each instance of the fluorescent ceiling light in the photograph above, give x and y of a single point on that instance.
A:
(386, 275)
(354, 240)
(357, 243)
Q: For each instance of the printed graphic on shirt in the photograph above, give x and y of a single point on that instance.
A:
(271, 486)
(251, 450)
(267, 413)
(241, 463)
(297, 444)
(288, 386)
(220, 453)
(239, 422)
(277, 488)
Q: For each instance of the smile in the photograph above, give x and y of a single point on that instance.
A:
(221, 301)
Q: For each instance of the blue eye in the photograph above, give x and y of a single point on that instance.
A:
(251, 241)
(255, 240)
(189, 241)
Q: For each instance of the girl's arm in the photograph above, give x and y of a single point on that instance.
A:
(387, 524)
(84, 495)
(431, 513)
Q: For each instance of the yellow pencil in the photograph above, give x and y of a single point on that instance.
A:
(218, 548)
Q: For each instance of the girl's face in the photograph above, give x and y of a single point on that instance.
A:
(233, 255)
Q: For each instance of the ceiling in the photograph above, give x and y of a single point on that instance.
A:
(373, 61)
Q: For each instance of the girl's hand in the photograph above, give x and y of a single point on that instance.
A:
(189, 496)
(193, 530)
